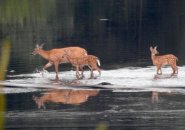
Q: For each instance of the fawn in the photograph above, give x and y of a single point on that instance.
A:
(168, 59)
(55, 56)
(89, 60)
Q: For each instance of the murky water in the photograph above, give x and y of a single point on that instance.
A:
(111, 100)
(124, 29)
(116, 109)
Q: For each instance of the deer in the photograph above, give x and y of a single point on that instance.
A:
(64, 96)
(55, 56)
(159, 61)
(89, 60)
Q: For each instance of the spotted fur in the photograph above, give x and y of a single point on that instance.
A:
(90, 60)
(159, 61)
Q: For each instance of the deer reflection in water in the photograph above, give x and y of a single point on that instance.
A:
(155, 95)
(165, 76)
(65, 96)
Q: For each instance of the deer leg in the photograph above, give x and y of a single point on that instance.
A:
(95, 67)
(49, 64)
(92, 75)
(175, 69)
(56, 71)
(91, 69)
(77, 72)
(159, 69)
(82, 72)
(99, 71)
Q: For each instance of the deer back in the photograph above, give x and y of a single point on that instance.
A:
(165, 59)
(67, 96)
(57, 55)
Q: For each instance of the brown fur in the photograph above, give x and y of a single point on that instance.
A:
(89, 60)
(159, 61)
(74, 97)
(55, 56)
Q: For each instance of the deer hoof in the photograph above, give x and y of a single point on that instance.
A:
(91, 78)
(82, 77)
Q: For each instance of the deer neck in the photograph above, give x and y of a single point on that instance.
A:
(153, 57)
(43, 53)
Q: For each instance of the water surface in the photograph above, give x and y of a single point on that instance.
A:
(121, 100)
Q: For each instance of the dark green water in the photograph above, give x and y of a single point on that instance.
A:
(117, 110)
(117, 31)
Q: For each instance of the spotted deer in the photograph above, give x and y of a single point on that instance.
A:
(159, 61)
(89, 60)
(55, 56)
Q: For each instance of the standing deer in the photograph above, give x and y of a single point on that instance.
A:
(168, 59)
(89, 60)
(55, 56)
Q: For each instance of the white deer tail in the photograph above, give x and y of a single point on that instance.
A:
(98, 61)
(85, 52)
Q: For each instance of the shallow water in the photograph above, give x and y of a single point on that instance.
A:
(132, 99)
(116, 109)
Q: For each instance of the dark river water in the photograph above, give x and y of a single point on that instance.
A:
(115, 110)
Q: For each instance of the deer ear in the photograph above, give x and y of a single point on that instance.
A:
(155, 47)
(41, 46)
(37, 46)
(151, 48)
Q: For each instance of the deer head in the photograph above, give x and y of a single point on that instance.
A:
(37, 49)
(39, 102)
(154, 50)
